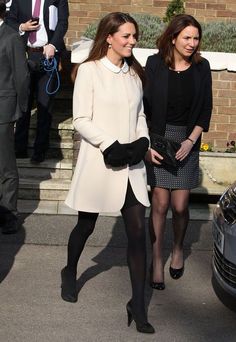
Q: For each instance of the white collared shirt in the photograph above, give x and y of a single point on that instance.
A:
(109, 65)
(1, 22)
(8, 5)
(41, 37)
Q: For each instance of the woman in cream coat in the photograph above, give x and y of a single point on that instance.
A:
(110, 174)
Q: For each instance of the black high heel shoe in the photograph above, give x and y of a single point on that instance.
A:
(143, 327)
(156, 285)
(68, 286)
(176, 273)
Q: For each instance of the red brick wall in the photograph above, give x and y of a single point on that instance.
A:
(85, 12)
(223, 122)
(212, 10)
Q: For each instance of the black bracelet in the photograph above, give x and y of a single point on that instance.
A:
(192, 141)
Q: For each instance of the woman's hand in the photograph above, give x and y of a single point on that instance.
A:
(184, 150)
(116, 154)
(137, 150)
(153, 157)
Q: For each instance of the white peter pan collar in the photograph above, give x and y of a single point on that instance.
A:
(112, 67)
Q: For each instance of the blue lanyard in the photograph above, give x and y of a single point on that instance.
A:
(50, 65)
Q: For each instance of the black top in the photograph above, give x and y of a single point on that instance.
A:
(180, 96)
(156, 96)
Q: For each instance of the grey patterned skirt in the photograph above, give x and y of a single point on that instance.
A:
(185, 175)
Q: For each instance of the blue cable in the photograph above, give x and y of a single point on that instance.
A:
(50, 65)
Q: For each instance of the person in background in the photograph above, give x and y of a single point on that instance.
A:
(42, 25)
(8, 5)
(110, 173)
(14, 85)
(178, 105)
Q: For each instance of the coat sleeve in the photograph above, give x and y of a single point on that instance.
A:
(205, 114)
(142, 129)
(83, 110)
(147, 89)
(17, 57)
(62, 24)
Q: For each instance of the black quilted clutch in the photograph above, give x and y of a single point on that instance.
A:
(167, 148)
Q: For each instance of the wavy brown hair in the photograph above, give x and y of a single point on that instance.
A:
(108, 26)
(164, 42)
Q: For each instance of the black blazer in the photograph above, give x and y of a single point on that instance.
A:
(14, 75)
(156, 92)
(21, 11)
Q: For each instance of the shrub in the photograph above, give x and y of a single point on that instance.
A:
(174, 7)
(217, 36)
(150, 27)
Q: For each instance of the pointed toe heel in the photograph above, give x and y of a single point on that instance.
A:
(142, 327)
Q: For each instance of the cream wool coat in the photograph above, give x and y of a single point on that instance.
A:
(107, 106)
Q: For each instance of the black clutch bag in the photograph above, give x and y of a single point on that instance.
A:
(167, 148)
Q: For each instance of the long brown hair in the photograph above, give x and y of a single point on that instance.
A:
(164, 42)
(108, 26)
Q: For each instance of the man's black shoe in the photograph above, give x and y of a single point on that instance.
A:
(21, 154)
(37, 157)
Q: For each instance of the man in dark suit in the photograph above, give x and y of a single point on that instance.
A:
(42, 25)
(14, 86)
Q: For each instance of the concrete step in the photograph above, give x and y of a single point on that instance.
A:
(50, 168)
(50, 180)
(57, 150)
(65, 133)
(61, 118)
(54, 189)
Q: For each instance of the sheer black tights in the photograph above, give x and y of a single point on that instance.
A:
(78, 237)
(134, 219)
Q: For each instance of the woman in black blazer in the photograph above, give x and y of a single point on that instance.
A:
(178, 105)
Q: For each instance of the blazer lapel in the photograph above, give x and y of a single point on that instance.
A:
(28, 5)
(46, 5)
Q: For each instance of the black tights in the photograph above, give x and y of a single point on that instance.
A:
(78, 237)
(134, 219)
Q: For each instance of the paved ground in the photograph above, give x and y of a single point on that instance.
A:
(32, 310)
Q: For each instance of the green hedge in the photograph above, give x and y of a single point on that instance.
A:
(217, 36)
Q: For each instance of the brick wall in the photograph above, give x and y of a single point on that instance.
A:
(223, 122)
(85, 12)
(212, 10)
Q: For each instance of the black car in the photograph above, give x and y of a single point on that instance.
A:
(224, 248)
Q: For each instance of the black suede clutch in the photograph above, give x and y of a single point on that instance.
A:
(167, 148)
